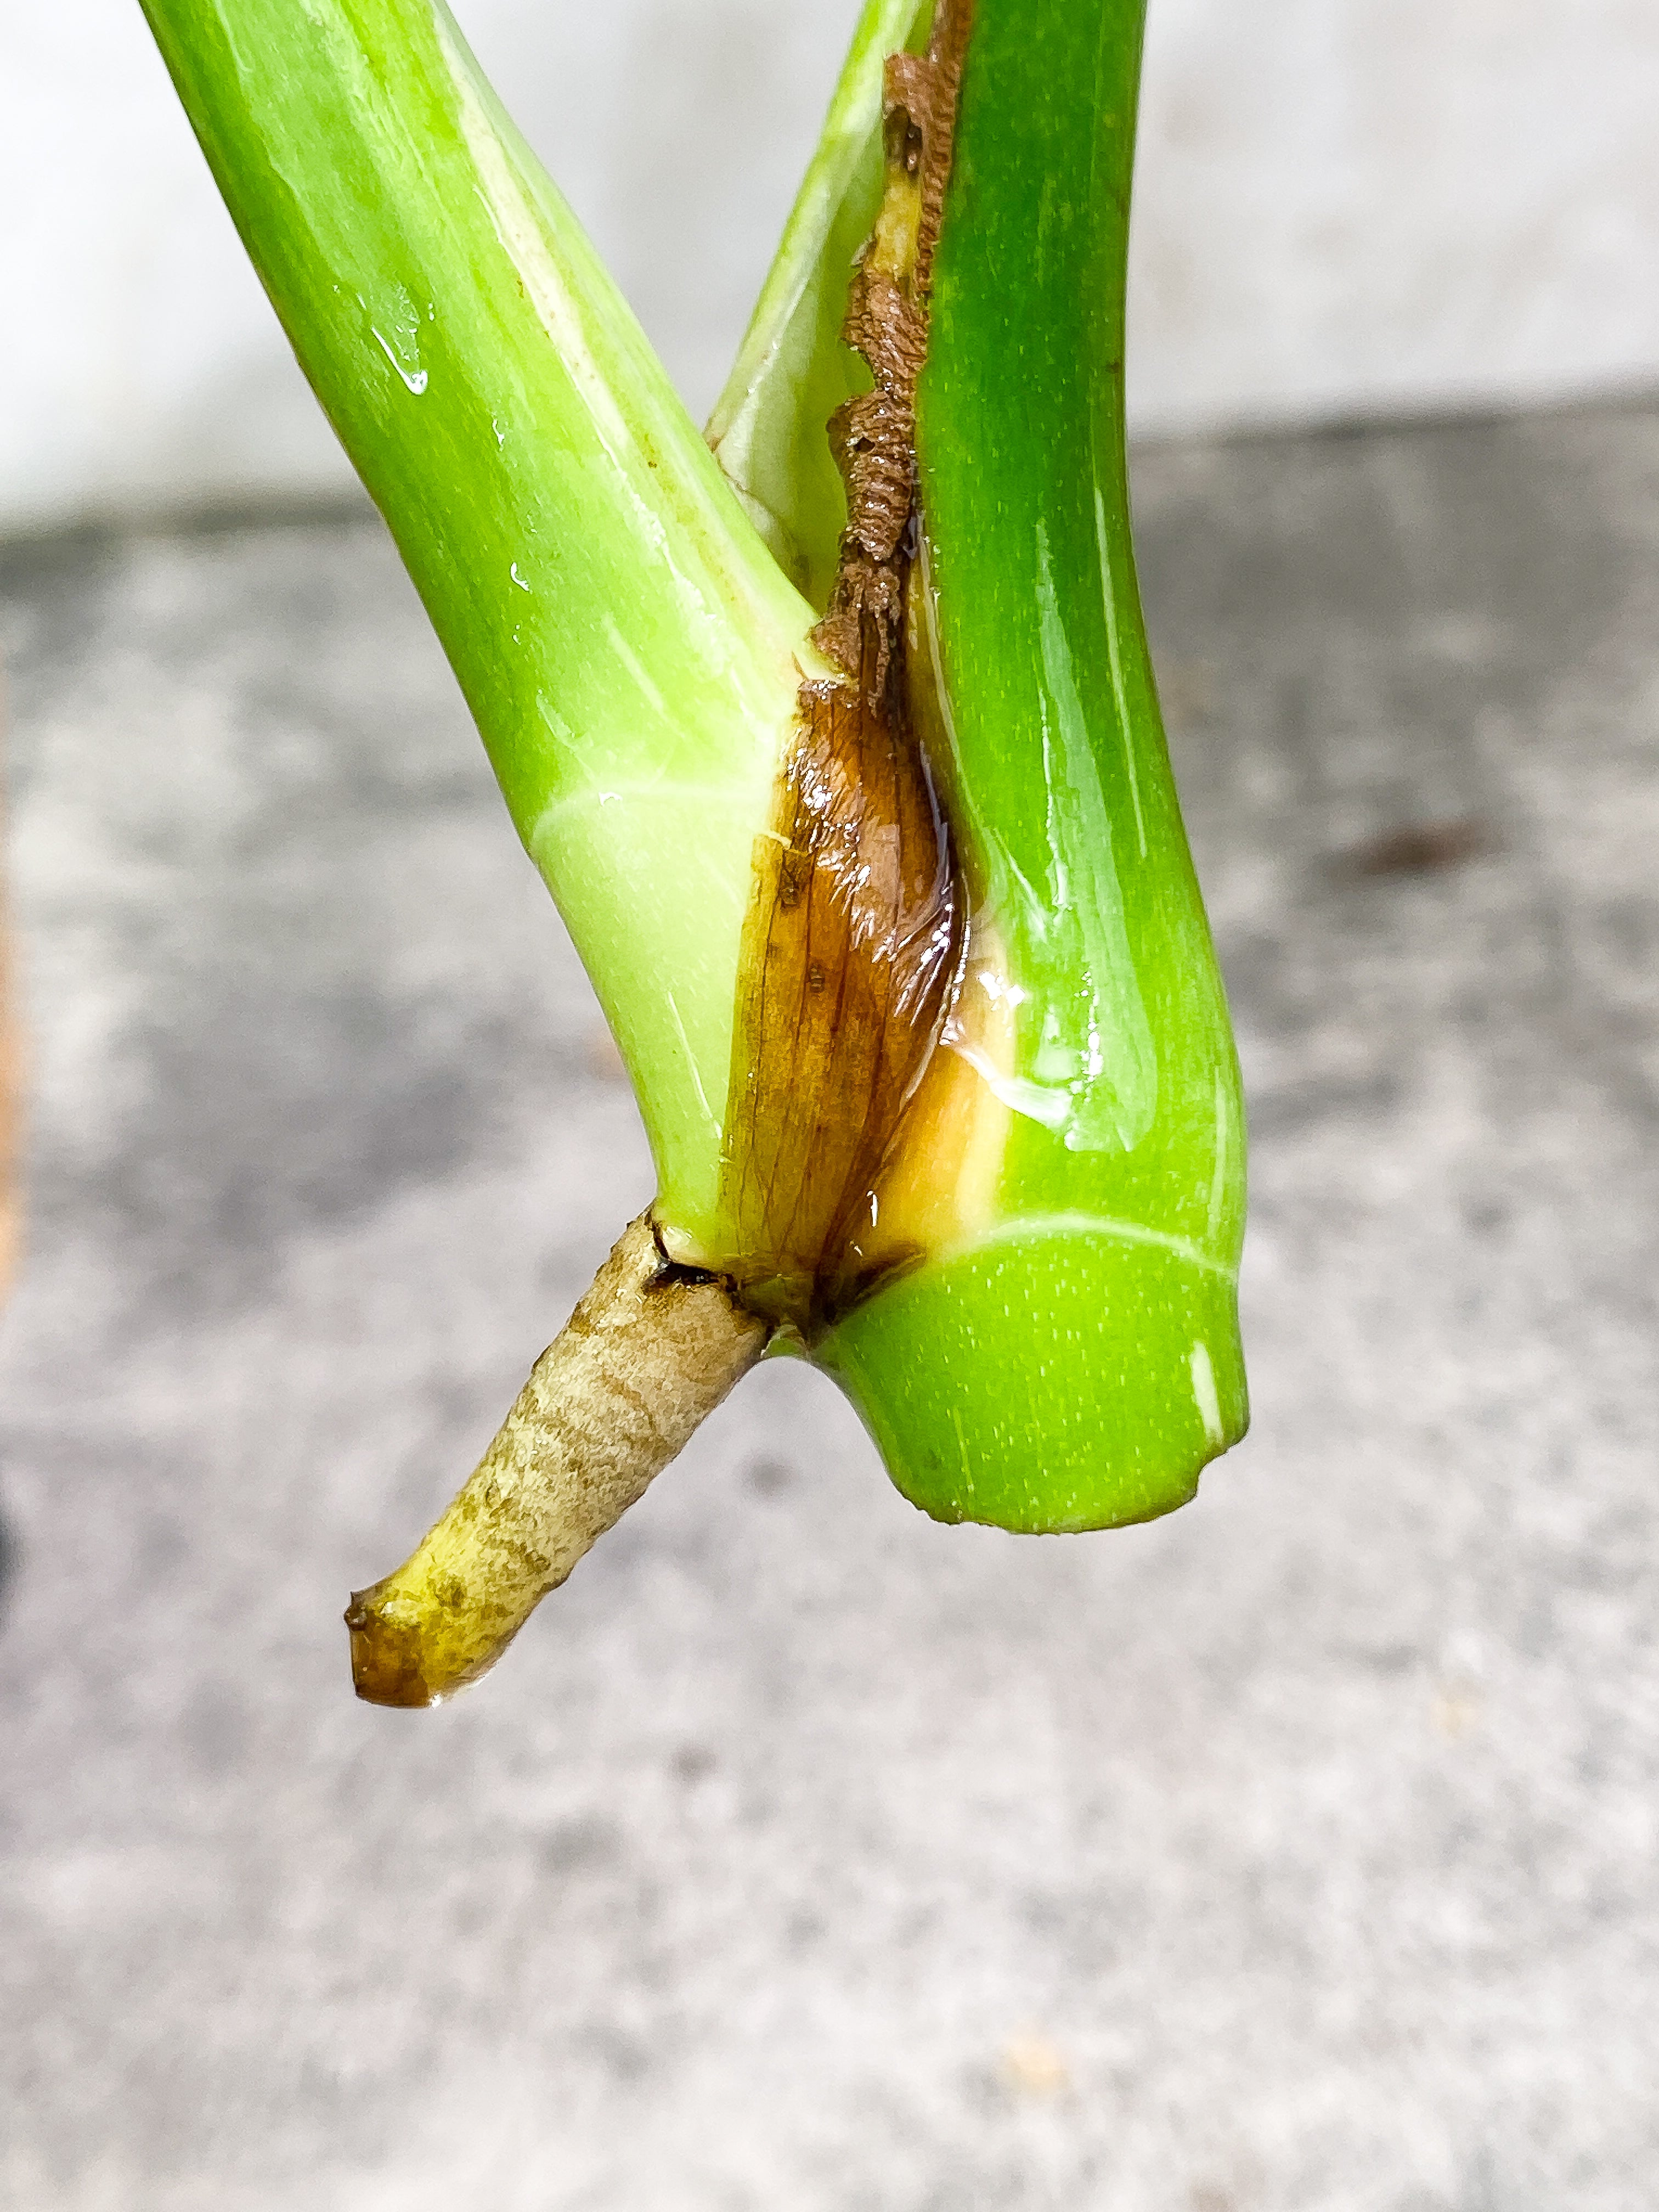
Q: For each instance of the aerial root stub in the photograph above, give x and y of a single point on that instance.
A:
(648, 1353)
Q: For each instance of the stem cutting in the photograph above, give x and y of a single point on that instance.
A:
(836, 737)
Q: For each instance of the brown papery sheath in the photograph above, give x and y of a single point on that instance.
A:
(853, 943)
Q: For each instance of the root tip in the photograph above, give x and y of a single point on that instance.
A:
(386, 1655)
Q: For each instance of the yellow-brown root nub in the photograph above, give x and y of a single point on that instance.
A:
(651, 1350)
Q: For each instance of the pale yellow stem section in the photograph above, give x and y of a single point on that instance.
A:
(651, 1350)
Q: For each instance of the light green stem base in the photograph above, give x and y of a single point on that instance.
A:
(1048, 1380)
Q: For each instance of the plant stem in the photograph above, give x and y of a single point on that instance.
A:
(1072, 1362)
(629, 649)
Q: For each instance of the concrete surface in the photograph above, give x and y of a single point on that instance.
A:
(1297, 1854)
(1342, 206)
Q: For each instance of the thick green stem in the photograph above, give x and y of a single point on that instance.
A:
(629, 647)
(1076, 1362)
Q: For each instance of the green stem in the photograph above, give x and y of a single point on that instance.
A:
(1076, 1363)
(630, 651)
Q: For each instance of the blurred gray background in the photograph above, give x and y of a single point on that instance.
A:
(1299, 1853)
(1343, 207)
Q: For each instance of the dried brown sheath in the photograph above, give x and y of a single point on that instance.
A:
(857, 921)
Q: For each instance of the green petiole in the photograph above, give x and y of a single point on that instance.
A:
(1077, 1365)
(627, 646)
